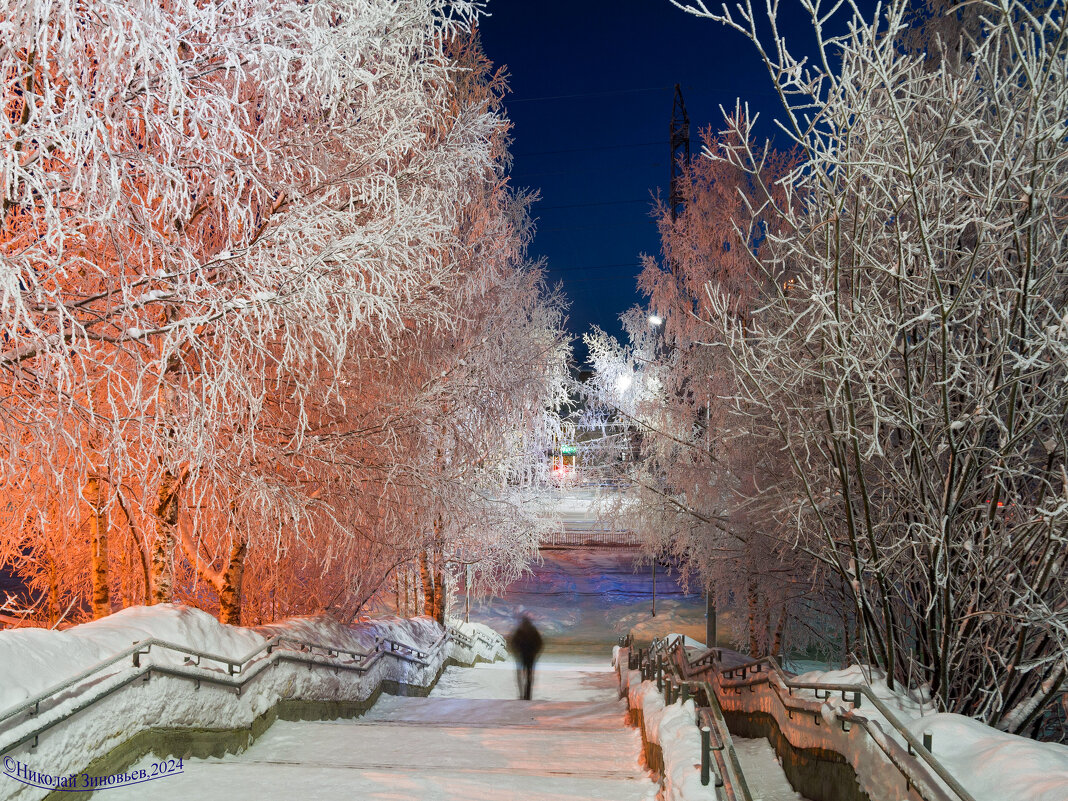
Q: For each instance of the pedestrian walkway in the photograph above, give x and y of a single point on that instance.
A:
(470, 740)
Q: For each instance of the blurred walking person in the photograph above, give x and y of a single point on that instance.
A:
(525, 643)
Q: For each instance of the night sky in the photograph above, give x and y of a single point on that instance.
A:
(592, 86)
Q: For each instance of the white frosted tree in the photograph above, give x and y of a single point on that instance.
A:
(914, 367)
(700, 478)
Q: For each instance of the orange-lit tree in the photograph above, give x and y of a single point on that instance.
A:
(212, 216)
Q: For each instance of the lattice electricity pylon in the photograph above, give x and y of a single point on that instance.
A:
(680, 152)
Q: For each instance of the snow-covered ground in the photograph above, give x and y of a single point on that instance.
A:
(469, 740)
(763, 773)
(33, 660)
(990, 764)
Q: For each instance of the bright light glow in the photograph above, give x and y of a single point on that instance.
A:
(655, 320)
(624, 381)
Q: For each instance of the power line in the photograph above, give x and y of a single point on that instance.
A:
(523, 176)
(657, 143)
(538, 209)
(554, 229)
(595, 267)
(604, 93)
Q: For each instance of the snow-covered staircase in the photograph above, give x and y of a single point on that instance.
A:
(470, 740)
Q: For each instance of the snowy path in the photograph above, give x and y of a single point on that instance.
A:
(763, 773)
(469, 741)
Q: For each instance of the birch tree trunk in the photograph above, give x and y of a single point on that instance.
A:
(53, 593)
(780, 627)
(439, 592)
(163, 547)
(230, 594)
(428, 585)
(98, 548)
(142, 550)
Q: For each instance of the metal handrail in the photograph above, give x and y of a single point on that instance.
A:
(915, 746)
(729, 770)
(143, 647)
(716, 714)
(462, 638)
(480, 637)
(718, 724)
(239, 671)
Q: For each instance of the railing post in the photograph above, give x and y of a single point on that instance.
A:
(659, 675)
(684, 691)
(706, 759)
(927, 741)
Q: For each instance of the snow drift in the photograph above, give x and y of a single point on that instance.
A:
(33, 660)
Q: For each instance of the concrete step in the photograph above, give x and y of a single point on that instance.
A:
(571, 743)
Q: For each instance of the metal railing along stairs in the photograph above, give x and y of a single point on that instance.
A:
(916, 763)
(54, 705)
(717, 745)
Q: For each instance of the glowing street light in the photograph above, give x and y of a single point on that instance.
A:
(655, 320)
(624, 381)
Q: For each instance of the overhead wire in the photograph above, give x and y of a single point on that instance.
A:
(657, 142)
(603, 93)
(595, 267)
(522, 176)
(538, 209)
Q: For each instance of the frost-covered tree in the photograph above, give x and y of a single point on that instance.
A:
(700, 479)
(212, 215)
(915, 367)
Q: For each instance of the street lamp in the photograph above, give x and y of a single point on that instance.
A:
(655, 320)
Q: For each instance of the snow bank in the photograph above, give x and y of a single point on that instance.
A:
(904, 706)
(984, 760)
(33, 660)
(988, 762)
(674, 729)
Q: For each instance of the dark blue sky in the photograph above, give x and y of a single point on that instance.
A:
(598, 158)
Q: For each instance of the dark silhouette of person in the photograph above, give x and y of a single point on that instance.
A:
(525, 643)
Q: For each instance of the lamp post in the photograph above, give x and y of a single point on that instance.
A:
(654, 586)
(710, 618)
(655, 320)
